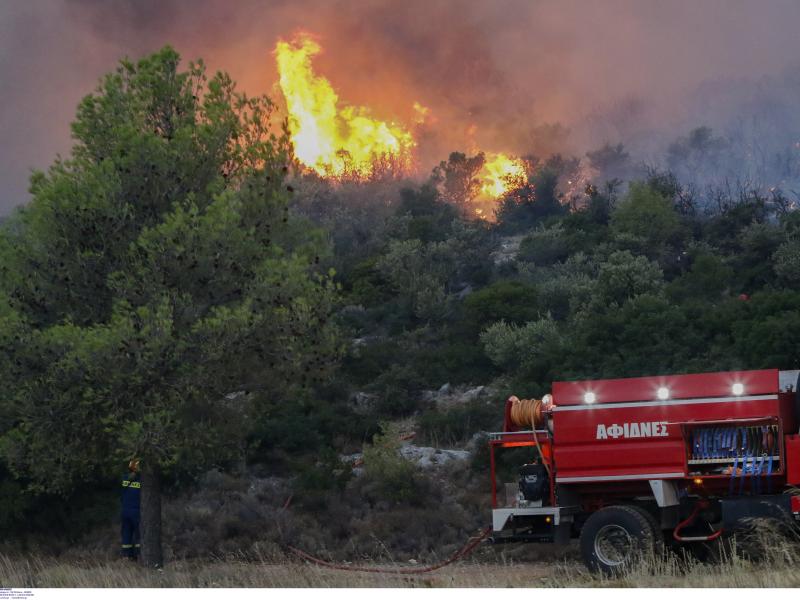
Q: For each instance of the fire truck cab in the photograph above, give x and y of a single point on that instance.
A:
(626, 465)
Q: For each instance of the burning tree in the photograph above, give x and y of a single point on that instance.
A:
(479, 181)
(155, 293)
(333, 139)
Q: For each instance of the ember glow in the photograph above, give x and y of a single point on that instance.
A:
(332, 138)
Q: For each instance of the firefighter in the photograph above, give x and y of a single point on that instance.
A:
(131, 488)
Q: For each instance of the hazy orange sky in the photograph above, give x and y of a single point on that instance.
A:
(611, 70)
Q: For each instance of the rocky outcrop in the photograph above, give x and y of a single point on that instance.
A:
(363, 403)
(507, 250)
(449, 396)
(428, 458)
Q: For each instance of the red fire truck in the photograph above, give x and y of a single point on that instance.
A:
(627, 464)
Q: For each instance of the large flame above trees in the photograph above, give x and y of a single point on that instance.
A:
(340, 141)
(333, 139)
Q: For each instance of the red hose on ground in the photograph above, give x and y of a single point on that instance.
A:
(468, 547)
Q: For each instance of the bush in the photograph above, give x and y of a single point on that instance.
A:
(645, 221)
(430, 219)
(365, 285)
(510, 346)
(624, 276)
(707, 278)
(316, 482)
(459, 424)
(397, 401)
(525, 207)
(366, 363)
(511, 301)
(388, 476)
(455, 360)
(545, 246)
(787, 260)
(304, 425)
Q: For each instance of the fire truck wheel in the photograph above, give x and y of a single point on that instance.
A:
(658, 534)
(615, 538)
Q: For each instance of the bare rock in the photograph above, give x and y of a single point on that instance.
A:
(429, 458)
(448, 396)
(508, 249)
(363, 403)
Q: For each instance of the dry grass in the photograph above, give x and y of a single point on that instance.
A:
(491, 567)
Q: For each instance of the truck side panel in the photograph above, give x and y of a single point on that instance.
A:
(639, 439)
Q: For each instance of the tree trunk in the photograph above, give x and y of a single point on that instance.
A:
(150, 523)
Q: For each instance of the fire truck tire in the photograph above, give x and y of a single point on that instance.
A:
(658, 539)
(615, 538)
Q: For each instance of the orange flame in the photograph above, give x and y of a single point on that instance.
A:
(501, 174)
(332, 139)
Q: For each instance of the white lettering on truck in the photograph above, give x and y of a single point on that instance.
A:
(632, 430)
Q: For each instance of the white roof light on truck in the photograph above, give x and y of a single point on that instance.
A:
(737, 389)
(589, 398)
(662, 393)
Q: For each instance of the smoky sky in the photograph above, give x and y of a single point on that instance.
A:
(497, 75)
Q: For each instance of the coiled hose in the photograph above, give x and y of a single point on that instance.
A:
(526, 413)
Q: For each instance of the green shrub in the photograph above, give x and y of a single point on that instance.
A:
(365, 285)
(315, 483)
(459, 424)
(454, 359)
(545, 245)
(366, 363)
(396, 401)
(506, 300)
(388, 476)
(646, 222)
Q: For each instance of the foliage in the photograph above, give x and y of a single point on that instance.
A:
(389, 476)
(457, 178)
(530, 347)
(505, 300)
(545, 245)
(431, 217)
(623, 276)
(787, 260)
(457, 425)
(708, 278)
(156, 295)
(524, 207)
(645, 222)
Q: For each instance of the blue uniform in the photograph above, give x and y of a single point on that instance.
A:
(131, 489)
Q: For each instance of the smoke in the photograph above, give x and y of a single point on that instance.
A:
(520, 76)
